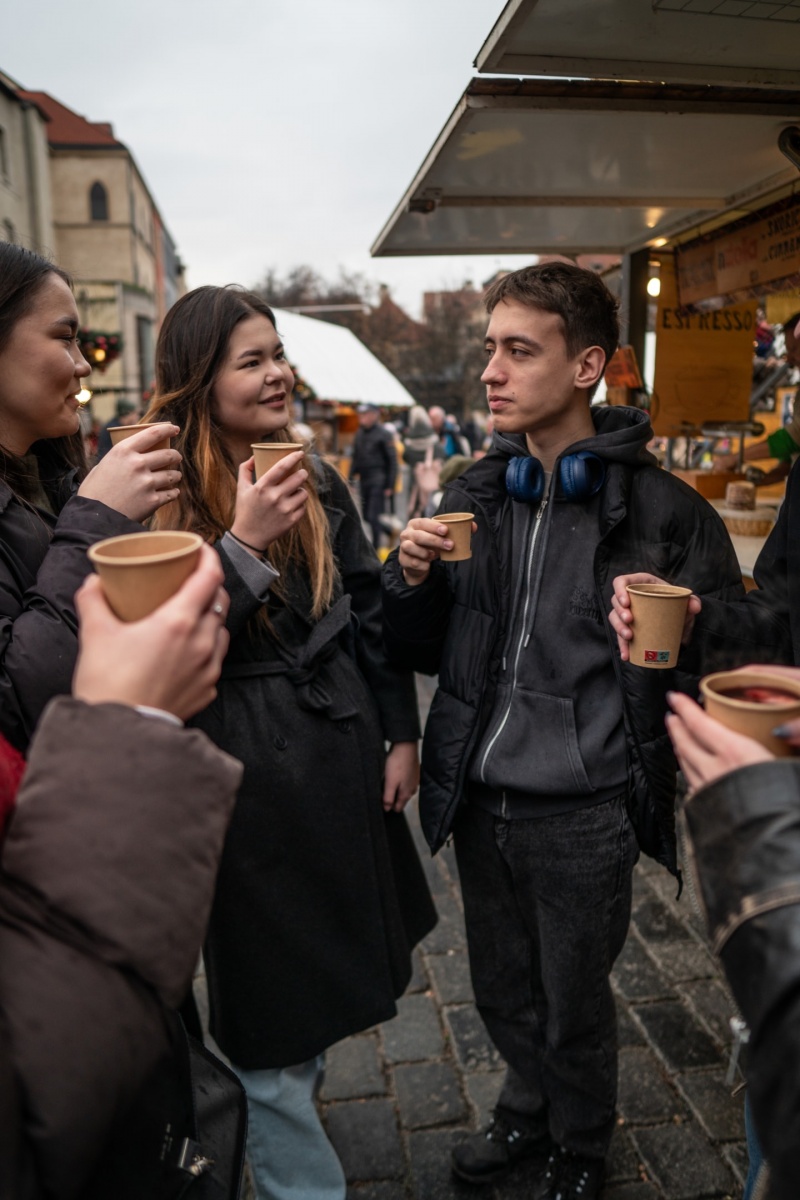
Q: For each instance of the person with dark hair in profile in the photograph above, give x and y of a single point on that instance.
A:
(106, 881)
(51, 509)
(320, 895)
(543, 756)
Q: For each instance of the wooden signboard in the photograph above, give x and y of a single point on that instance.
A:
(757, 254)
(703, 362)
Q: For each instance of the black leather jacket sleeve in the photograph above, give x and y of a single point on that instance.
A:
(744, 851)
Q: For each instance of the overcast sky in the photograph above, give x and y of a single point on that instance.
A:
(271, 134)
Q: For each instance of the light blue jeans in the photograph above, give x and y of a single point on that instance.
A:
(289, 1153)
(754, 1152)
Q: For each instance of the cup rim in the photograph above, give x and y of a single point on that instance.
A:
(454, 518)
(97, 552)
(668, 591)
(755, 678)
(288, 446)
(137, 426)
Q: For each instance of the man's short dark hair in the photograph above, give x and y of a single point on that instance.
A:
(584, 303)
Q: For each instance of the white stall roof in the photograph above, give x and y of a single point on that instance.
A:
(586, 166)
(751, 42)
(336, 364)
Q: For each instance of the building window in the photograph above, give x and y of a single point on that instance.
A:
(98, 202)
(8, 231)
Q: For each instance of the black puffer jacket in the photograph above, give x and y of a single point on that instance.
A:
(455, 623)
(744, 837)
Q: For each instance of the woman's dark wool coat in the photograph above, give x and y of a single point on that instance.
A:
(320, 897)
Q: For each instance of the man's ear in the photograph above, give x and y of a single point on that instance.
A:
(590, 366)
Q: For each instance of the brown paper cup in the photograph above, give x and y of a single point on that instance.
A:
(659, 613)
(140, 571)
(268, 453)
(460, 533)
(748, 716)
(118, 433)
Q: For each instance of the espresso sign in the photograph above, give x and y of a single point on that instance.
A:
(703, 362)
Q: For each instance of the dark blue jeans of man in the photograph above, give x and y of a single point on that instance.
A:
(547, 904)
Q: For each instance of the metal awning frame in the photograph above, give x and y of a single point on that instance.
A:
(612, 96)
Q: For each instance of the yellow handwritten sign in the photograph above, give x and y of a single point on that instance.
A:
(703, 362)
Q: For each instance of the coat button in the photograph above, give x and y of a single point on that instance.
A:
(280, 743)
(345, 726)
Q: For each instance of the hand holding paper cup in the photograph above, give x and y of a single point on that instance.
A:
(659, 613)
(118, 433)
(753, 702)
(267, 454)
(140, 571)
(459, 529)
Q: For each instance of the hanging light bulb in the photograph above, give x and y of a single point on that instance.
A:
(654, 286)
(83, 396)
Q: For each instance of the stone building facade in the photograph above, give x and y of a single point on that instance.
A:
(110, 236)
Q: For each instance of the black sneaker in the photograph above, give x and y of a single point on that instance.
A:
(484, 1157)
(572, 1177)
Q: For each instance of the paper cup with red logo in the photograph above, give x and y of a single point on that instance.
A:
(753, 702)
(267, 454)
(459, 530)
(659, 613)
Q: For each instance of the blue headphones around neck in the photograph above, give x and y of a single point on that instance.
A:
(580, 476)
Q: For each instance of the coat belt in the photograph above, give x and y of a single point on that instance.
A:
(307, 668)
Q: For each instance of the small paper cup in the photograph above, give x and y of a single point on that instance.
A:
(118, 433)
(753, 718)
(459, 530)
(140, 571)
(659, 614)
(268, 453)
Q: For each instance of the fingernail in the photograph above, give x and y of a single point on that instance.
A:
(671, 696)
(441, 530)
(448, 545)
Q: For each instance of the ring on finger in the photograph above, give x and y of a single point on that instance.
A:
(218, 609)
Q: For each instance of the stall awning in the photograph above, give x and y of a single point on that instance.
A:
(337, 365)
(582, 166)
(740, 42)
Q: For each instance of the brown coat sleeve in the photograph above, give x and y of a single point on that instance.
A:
(106, 885)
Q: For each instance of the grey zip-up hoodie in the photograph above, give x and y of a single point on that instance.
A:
(555, 739)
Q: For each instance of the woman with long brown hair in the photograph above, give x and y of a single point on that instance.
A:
(320, 895)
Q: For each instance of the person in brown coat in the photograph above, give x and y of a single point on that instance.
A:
(106, 882)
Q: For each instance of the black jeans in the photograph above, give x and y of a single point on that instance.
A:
(547, 904)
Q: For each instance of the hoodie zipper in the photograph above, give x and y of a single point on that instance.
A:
(523, 639)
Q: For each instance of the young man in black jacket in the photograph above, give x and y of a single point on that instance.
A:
(543, 751)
